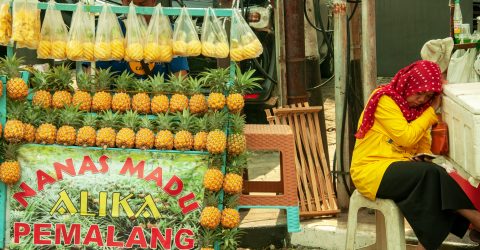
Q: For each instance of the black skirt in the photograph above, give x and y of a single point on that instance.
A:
(428, 198)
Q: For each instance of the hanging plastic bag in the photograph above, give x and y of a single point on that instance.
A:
(214, 37)
(103, 49)
(185, 37)
(117, 40)
(26, 23)
(81, 38)
(158, 47)
(5, 22)
(244, 44)
(53, 36)
(461, 66)
(135, 36)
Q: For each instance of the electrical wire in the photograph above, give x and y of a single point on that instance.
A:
(308, 18)
(353, 12)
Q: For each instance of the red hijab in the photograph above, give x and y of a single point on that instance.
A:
(420, 76)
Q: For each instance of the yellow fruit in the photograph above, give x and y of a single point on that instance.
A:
(210, 217)
(45, 134)
(179, 48)
(141, 103)
(144, 139)
(121, 102)
(232, 183)
(42, 98)
(118, 49)
(26, 27)
(66, 135)
(216, 141)
(134, 51)
(152, 52)
(14, 131)
(86, 136)
(59, 49)
(198, 104)
(164, 140)
(166, 53)
(88, 51)
(230, 218)
(208, 49)
(216, 101)
(61, 98)
(236, 144)
(106, 138)
(5, 24)
(194, 48)
(125, 138)
(17, 89)
(10, 172)
(102, 51)
(74, 50)
(83, 100)
(235, 102)
(28, 133)
(44, 49)
(222, 50)
(178, 102)
(200, 141)
(101, 101)
(160, 104)
(213, 179)
(183, 140)
(236, 54)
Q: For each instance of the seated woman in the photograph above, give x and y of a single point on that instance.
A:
(394, 127)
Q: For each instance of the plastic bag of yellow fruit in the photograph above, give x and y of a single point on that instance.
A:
(185, 37)
(26, 23)
(244, 44)
(53, 36)
(117, 42)
(135, 35)
(214, 36)
(5, 22)
(81, 37)
(158, 44)
(103, 37)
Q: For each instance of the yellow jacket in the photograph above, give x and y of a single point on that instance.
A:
(390, 139)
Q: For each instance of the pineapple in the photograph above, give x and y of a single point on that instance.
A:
(126, 135)
(145, 138)
(164, 138)
(183, 138)
(216, 80)
(141, 100)
(200, 138)
(216, 139)
(47, 131)
(213, 178)
(243, 83)
(10, 170)
(17, 89)
(121, 100)
(14, 127)
(70, 120)
(82, 97)
(87, 135)
(30, 122)
(233, 181)
(178, 101)
(62, 82)
(160, 102)
(211, 215)
(102, 100)
(236, 142)
(208, 238)
(106, 135)
(42, 96)
(230, 215)
(198, 102)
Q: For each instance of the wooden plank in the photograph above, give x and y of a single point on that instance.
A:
(300, 110)
(319, 213)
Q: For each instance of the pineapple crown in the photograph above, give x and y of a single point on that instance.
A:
(10, 151)
(61, 77)
(231, 201)
(124, 81)
(201, 123)
(216, 79)
(217, 120)
(178, 83)
(195, 85)
(211, 198)
(231, 238)
(49, 116)
(143, 86)
(208, 237)
(130, 119)
(236, 164)
(103, 79)
(158, 84)
(70, 116)
(164, 121)
(108, 119)
(185, 121)
(32, 115)
(40, 80)
(237, 123)
(90, 120)
(244, 82)
(85, 82)
(10, 66)
(145, 122)
(16, 110)
(215, 161)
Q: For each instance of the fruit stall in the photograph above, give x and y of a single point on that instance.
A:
(106, 160)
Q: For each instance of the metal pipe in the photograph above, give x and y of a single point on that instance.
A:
(295, 52)
(279, 19)
(369, 49)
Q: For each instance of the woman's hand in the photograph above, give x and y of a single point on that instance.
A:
(437, 101)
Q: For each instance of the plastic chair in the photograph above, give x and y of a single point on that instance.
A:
(390, 227)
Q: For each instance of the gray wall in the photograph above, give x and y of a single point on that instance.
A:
(404, 26)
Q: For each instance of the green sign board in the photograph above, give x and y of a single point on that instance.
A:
(90, 198)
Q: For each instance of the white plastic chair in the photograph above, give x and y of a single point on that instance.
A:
(390, 231)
